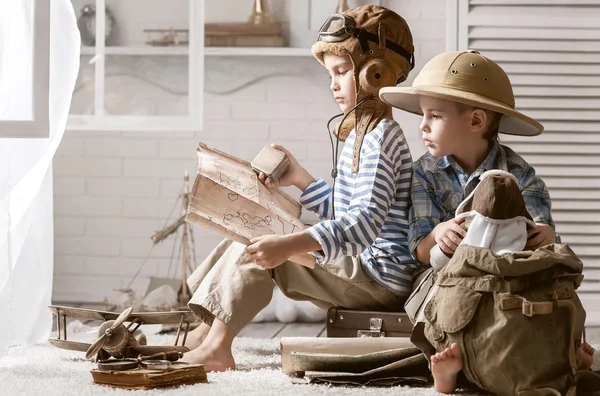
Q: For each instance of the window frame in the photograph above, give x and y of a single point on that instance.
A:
(39, 124)
(193, 121)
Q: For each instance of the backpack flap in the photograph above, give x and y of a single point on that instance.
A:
(450, 310)
(423, 284)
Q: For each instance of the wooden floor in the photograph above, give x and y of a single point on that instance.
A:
(278, 330)
(253, 330)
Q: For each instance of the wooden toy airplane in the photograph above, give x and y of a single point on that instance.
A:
(115, 338)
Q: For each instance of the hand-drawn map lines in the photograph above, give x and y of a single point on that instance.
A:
(265, 224)
(248, 221)
(232, 183)
(226, 181)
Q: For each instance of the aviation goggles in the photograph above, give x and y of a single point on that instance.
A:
(340, 27)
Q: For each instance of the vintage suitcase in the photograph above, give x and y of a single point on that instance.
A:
(351, 323)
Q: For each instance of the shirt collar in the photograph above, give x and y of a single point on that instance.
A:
(490, 162)
(496, 159)
(444, 162)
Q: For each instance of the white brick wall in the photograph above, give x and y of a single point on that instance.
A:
(113, 190)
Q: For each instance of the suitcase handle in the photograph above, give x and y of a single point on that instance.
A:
(375, 325)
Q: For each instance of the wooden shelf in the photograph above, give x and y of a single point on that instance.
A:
(256, 51)
(208, 51)
(140, 50)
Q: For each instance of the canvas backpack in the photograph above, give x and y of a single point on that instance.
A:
(516, 319)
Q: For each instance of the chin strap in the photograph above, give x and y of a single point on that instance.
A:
(363, 120)
(366, 117)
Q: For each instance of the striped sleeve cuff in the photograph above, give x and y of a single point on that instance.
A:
(318, 233)
(315, 194)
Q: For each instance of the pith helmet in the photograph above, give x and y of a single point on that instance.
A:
(465, 77)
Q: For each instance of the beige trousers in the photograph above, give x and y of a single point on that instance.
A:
(230, 286)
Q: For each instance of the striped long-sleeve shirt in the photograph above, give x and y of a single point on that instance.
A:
(371, 208)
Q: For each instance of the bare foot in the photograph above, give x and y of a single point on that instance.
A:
(445, 367)
(213, 359)
(196, 337)
(585, 356)
(215, 351)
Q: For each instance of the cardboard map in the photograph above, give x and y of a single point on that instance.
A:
(228, 199)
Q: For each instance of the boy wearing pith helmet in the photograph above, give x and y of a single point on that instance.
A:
(465, 99)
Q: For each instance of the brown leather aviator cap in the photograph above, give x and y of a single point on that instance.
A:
(380, 46)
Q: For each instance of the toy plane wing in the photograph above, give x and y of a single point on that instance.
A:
(143, 317)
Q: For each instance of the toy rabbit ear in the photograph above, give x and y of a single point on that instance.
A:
(497, 196)
(499, 173)
(466, 205)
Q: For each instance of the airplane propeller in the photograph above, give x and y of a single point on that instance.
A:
(95, 347)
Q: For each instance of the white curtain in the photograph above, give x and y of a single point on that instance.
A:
(26, 204)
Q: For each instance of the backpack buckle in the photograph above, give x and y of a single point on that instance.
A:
(527, 308)
(538, 308)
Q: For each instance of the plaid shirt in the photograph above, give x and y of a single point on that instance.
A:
(439, 185)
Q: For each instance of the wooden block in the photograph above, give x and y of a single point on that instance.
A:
(271, 162)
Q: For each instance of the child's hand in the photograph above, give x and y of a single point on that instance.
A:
(295, 174)
(540, 235)
(449, 234)
(268, 251)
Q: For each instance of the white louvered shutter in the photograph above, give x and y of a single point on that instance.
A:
(551, 52)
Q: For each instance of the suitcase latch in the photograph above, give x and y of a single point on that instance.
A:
(375, 325)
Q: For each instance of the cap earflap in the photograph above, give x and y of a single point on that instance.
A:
(378, 72)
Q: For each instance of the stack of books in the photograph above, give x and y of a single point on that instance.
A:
(243, 35)
(140, 378)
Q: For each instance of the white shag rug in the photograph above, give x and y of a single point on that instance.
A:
(45, 370)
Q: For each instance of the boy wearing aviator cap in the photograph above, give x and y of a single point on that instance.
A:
(465, 99)
(361, 242)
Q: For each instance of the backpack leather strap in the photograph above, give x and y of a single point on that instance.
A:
(535, 308)
(528, 308)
